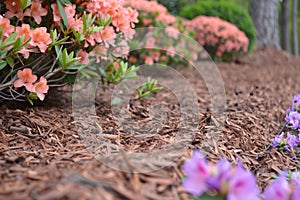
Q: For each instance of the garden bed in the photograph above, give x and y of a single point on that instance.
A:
(42, 156)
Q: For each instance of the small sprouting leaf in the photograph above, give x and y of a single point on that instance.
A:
(145, 95)
(157, 89)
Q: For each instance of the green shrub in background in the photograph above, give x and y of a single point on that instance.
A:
(227, 11)
(174, 6)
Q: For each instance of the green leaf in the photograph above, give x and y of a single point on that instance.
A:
(146, 95)
(59, 42)
(17, 43)
(3, 63)
(10, 61)
(30, 101)
(60, 5)
(131, 75)
(64, 57)
(9, 41)
(75, 67)
(157, 89)
(25, 3)
(107, 21)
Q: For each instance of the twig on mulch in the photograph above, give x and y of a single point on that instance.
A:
(25, 130)
(270, 145)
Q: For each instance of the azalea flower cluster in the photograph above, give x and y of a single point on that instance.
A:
(220, 38)
(27, 79)
(290, 139)
(55, 40)
(166, 46)
(221, 180)
(286, 186)
(224, 181)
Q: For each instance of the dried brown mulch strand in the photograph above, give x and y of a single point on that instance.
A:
(42, 155)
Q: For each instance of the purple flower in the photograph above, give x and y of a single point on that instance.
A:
(243, 186)
(296, 192)
(293, 119)
(198, 171)
(223, 172)
(278, 190)
(295, 177)
(278, 140)
(292, 141)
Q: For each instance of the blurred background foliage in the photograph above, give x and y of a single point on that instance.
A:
(234, 11)
(226, 10)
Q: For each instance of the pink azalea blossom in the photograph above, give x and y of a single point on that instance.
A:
(36, 11)
(25, 78)
(40, 38)
(41, 88)
(14, 9)
(7, 28)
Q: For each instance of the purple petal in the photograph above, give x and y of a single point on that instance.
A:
(195, 185)
(278, 190)
(243, 186)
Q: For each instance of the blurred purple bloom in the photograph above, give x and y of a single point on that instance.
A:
(295, 177)
(243, 186)
(278, 190)
(293, 120)
(296, 191)
(198, 171)
(278, 140)
(223, 174)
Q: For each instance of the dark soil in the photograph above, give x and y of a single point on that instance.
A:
(43, 156)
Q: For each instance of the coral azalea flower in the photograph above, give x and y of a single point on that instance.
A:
(41, 88)
(26, 78)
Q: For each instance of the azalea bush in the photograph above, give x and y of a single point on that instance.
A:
(220, 39)
(289, 139)
(226, 10)
(167, 45)
(45, 44)
(223, 181)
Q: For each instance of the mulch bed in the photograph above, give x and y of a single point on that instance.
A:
(42, 156)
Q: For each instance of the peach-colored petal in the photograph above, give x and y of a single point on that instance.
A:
(84, 57)
(26, 75)
(18, 83)
(41, 96)
(7, 28)
(28, 86)
(23, 30)
(40, 38)
(56, 14)
(41, 88)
